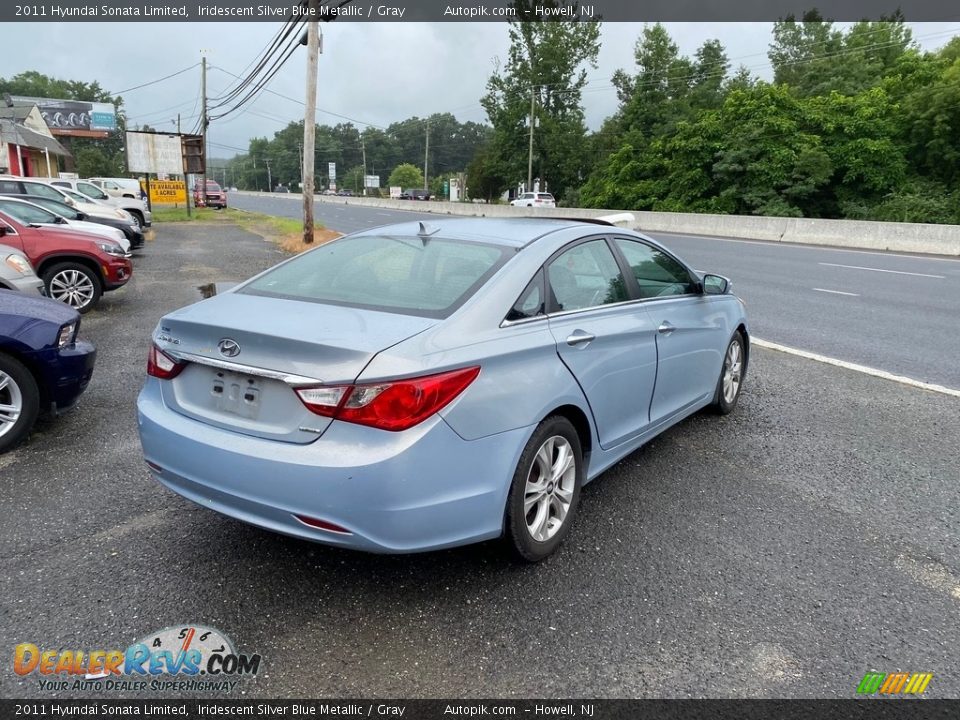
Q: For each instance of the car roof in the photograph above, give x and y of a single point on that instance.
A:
(510, 232)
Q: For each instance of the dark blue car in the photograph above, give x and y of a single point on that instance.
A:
(43, 367)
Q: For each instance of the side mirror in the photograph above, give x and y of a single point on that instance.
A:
(715, 285)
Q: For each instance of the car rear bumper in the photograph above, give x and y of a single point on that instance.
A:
(422, 489)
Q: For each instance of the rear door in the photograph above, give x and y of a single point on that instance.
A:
(605, 338)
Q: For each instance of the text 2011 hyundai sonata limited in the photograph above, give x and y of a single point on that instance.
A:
(416, 386)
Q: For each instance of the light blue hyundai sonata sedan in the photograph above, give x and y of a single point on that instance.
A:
(420, 386)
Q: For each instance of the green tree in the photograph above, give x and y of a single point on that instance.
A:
(815, 58)
(546, 64)
(486, 177)
(353, 179)
(406, 176)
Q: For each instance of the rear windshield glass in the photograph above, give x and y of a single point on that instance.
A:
(406, 275)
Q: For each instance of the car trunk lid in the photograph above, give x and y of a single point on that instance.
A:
(246, 354)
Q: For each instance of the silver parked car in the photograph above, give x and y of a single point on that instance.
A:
(419, 386)
(16, 272)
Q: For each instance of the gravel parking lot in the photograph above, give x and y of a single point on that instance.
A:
(782, 551)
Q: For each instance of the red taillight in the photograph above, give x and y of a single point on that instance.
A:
(393, 406)
(160, 365)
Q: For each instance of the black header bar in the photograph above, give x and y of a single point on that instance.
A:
(479, 11)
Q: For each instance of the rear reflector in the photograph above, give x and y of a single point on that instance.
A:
(322, 525)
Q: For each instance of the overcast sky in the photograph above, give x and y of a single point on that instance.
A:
(373, 73)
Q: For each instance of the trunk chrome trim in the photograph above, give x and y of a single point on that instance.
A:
(288, 378)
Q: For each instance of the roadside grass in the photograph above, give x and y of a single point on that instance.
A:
(285, 232)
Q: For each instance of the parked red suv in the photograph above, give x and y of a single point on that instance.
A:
(76, 267)
(215, 197)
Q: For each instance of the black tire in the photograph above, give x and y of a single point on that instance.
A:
(138, 216)
(20, 390)
(74, 284)
(722, 403)
(517, 532)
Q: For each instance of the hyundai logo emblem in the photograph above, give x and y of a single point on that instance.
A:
(228, 347)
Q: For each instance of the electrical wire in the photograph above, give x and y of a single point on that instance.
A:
(154, 82)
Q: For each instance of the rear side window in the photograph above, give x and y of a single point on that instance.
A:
(92, 190)
(27, 213)
(406, 275)
(531, 301)
(10, 187)
(42, 191)
(586, 276)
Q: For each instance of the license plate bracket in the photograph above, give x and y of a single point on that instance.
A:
(236, 393)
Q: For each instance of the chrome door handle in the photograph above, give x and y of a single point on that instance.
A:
(665, 328)
(579, 337)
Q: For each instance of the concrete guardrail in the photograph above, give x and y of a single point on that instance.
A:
(860, 234)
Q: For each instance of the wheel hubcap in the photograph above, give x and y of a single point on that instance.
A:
(11, 403)
(732, 371)
(549, 488)
(71, 287)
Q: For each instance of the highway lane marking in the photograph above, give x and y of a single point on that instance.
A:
(836, 292)
(883, 374)
(895, 272)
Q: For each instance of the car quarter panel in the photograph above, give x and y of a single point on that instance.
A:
(520, 382)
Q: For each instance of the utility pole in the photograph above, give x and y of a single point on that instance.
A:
(186, 178)
(269, 177)
(426, 156)
(529, 187)
(363, 149)
(310, 119)
(203, 126)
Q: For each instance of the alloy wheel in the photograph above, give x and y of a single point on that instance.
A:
(732, 371)
(73, 288)
(549, 488)
(11, 403)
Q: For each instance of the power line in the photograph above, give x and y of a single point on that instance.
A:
(300, 102)
(154, 82)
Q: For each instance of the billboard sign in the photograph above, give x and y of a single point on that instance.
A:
(332, 170)
(75, 117)
(154, 153)
(168, 191)
(371, 181)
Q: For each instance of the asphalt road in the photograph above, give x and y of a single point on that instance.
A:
(782, 551)
(885, 310)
